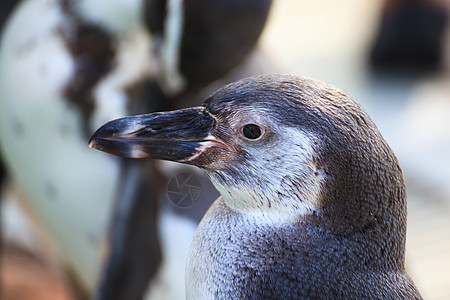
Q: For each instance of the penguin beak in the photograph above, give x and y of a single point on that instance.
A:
(179, 135)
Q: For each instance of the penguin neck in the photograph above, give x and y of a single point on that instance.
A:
(373, 247)
(284, 195)
(263, 205)
(259, 230)
(375, 224)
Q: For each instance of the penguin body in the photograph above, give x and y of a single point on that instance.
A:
(245, 256)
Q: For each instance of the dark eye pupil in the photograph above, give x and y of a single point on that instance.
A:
(251, 131)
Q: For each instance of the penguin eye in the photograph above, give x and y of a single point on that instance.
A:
(251, 131)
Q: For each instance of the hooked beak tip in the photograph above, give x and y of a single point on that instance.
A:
(91, 143)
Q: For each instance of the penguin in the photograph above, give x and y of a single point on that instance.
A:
(312, 204)
(81, 64)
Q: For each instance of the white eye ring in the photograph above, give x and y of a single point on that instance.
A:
(251, 131)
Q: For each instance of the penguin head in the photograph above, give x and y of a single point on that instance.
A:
(280, 145)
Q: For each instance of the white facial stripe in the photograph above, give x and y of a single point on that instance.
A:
(281, 179)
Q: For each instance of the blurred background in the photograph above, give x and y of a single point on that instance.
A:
(344, 43)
